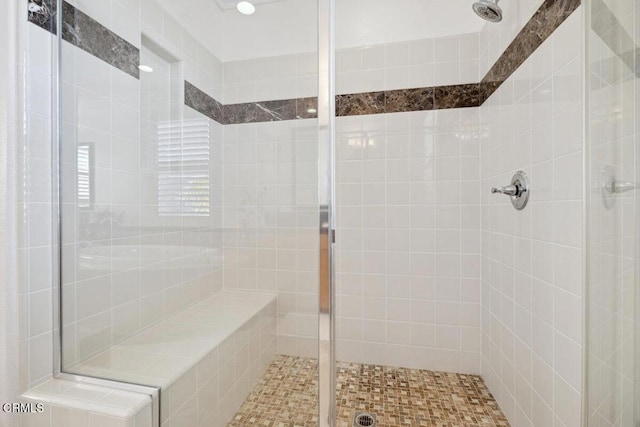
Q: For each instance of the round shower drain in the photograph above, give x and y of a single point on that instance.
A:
(364, 420)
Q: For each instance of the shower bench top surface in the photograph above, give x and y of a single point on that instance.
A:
(161, 354)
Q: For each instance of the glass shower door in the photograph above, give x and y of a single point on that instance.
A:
(613, 285)
(190, 255)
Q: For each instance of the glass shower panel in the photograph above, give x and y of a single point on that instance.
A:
(613, 101)
(189, 202)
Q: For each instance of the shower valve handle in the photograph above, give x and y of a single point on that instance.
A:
(509, 190)
(518, 191)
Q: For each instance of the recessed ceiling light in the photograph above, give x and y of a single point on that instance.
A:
(312, 111)
(246, 8)
(145, 68)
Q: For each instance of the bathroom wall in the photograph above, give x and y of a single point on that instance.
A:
(407, 182)
(280, 254)
(613, 105)
(408, 239)
(532, 260)
(271, 78)
(271, 222)
(270, 192)
(409, 64)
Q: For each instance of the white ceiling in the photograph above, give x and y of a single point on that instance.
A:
(289, 26)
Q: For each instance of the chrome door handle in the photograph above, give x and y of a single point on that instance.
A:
(610, 186)
(518, 190)
(620, 186)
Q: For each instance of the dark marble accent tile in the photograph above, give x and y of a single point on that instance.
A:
(357, 104)
(279, 110)
(457, 96)
(269, 111)
(486, 89)
(43, 13)
(249, 112)
(245, 113)
(203, 103)
(89, 35)
(307, 108)
(549, 16)
(403, 100)
(407, 100)
(544, 22)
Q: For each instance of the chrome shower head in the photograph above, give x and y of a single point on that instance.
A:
(488, 10)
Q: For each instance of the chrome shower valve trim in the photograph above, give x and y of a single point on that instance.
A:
(518, 190)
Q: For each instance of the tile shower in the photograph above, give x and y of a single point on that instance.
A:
(188, 147)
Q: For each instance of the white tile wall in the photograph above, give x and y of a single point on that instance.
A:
(264, 79)
(270, 222)
(532, 260)
(270, 194)
(408, 239)
(417, 63)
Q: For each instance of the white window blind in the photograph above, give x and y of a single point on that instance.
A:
(183, 168)
(84, 182)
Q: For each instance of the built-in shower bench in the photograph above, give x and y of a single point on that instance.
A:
(206, 358)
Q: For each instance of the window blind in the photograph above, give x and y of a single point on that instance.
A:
(184, 168)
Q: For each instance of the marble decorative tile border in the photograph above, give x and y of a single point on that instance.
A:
(404, 100)
(271, 111)
(250, 112)
(544, 22)
(549, 16)
(264, 111)
(86, 33)
(605, 24)
(82, 31)
(202, 103)
(89, 35)
(43, 13)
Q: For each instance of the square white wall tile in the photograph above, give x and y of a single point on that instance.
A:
(532, 259)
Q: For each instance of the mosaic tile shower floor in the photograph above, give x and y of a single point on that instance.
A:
(286, 396)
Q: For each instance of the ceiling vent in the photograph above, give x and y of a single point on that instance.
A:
(231, 4)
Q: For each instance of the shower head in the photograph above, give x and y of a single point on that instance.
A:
(488, 10)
